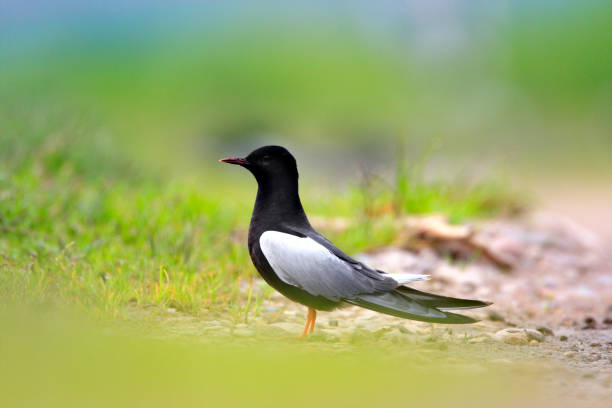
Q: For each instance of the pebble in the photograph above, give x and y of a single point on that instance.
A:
(534, 335)
(533, 342)
(563, 338)
(495, 316)
(569, 354)
(589, 323)
(479, 339)
(512, 336)
(546, 331)
(333, 323)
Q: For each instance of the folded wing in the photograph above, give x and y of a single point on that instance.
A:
(319, 268)
(302, 262)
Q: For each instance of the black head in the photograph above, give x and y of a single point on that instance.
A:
(268, 163)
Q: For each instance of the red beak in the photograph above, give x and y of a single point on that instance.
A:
(235, 160)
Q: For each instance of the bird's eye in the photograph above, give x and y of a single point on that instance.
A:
(266, 157)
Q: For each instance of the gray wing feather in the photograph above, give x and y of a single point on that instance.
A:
(305, 263)
(395, 304)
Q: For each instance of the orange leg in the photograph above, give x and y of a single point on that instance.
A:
(310, 323)
(314, 319)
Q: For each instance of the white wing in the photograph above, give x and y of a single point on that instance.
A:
(305, 263)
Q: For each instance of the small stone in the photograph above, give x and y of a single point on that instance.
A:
(562, 338)
(569, 354)
(595, 344)
(546, 331)
(533, 342)
(494, 316)
(171, 310)
(534, 335)
(512, 336)
(589, 323)
(480, 339)
(333, 323)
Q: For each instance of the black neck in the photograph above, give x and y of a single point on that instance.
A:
(278, 200)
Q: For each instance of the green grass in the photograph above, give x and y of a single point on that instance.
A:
(82, 226)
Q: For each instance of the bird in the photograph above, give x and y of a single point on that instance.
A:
(303, 265)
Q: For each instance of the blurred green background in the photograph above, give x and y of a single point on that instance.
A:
(511, 84)
(113, 116)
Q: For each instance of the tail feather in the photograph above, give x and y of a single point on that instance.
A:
(396, 304)
(440, 302)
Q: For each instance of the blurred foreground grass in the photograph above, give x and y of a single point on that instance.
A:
(50, 360)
